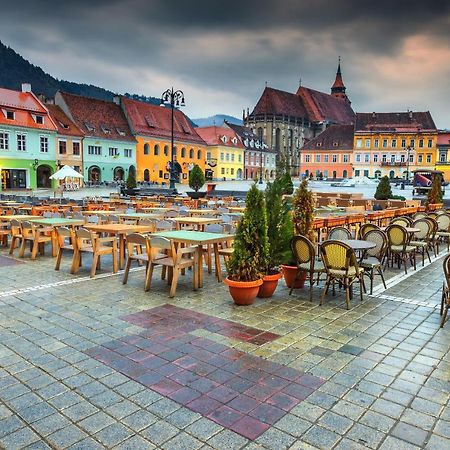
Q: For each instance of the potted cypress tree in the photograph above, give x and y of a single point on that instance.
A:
(131, 184)
(384, 191)
(303, 216)
(279, 232)
(196, 182)
(250, 251)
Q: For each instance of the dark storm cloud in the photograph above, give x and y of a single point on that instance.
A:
(223, 52)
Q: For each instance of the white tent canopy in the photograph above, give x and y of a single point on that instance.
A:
(66, 172)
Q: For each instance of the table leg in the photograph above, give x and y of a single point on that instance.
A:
(217, 262)
(121, 250)
(54, 242)
(200, 265)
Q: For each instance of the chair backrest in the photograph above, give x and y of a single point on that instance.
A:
(446, 266)
(64, 232)
(113, 219)
(432, 215)
(425, 227)
(183, 212)
(443, 221)
(378, 238)
(47, 214)
(161, 243)
(340, 233)
(403, 221)
(337, 255)
(56, 215)
(130, 210)
(84, 237)
(440, 212)
(171, 213)
(214, 228)
(365, 228)
(162, 225)
(396, 235)
(419, 215)
(93, 219)
(226, 218)
(15, 227)
(303, 250)
(27, 229)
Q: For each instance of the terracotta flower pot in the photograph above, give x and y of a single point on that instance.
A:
(270, 283)
(289, 274)
(243, 292)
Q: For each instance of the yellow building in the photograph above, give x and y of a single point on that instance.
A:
(393, 144)
(151, 126)
(224, 154)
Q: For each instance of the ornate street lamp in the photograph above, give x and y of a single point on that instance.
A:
(175, 99)
(408, 151)
(261, 162)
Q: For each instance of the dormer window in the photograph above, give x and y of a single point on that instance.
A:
(38, 119)
(150, 121)
(10, 115)
(234, 140)
(121, 132)
(105, 129)
(224, 139)
(185, 128)
(63, 125)
(335, 144)
(319, 144)
(89, 126)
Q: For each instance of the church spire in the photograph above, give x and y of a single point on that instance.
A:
(338, 88)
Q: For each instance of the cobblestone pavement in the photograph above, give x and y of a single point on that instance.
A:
(88, 364)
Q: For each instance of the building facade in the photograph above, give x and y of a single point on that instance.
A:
(393, 144)
(69, 140)
(258, 157)
(27, 140)
(224, 153)
(286, 121)
(329, 155)
(109, 148)
(443, 153)
(151, 126)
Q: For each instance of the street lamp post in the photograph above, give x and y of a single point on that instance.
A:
(175, 99)
(408, 151)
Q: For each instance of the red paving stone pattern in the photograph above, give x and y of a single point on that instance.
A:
(241, 392)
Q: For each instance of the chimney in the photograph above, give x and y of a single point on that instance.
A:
(410, 114)
(26, 87)
(116, 100)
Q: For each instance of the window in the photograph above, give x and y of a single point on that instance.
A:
(208, 156)
(428, 157)
(62, 147)
(4, 140)
(39, 119)
(183, 152)
(334, 158)
(307, 158)
(222, 156)
(232, 171)
(411, 158)
(385, 143)
(199, 155)
(367, 143)
(113, 151)
(156, 150)
(392, 158)
(10, 115)
(375, 157)
(402, 158)
(239, 158)
(376, 143)
(44, 144)
(403, 143)
(166, 150)
(191, 153)
(146, 149)
(394, 143)
(21, 142)
(384, 158)
(412, 143)
(367, 157)
(346, 158)
(357, 172)
(358, 157)
(76, 148)
(420, 158)
(443, 157)
(325, 158)
(317, 158)
(223, 170)
(358, 143)
(128, 153)
(94, 150)
(430, 143)
(174, 151)
(420, 143)
(232, 157)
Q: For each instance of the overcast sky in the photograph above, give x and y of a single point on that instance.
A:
(395, 53)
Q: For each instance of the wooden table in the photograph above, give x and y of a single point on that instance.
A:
(236, 208)
(199, 239)
(19, 217)
(121, 230)
(155, 208)
(140, 216)
(200, 212)
(100, 212)
(198, 222)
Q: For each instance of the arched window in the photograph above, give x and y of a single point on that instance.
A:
(344, 174)
(146, 149)
(174, 151)
(199, 154)
(391, 174)
(156, 150)
(191, 153)
(166, 150)
(183, 152)
(146, 175)
(277, 139)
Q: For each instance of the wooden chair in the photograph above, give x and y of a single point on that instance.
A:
(4, 233)
(339, 233)
(16, 235)
(341, 265)
(89, 242)
(176, 260)
(305, 257)
(66, 241)
(373, 258)
(445, 300)
(37, 237)
(399, 247)
(138, 249)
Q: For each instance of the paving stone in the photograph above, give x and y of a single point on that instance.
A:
(392, 443)
(66, 437)
(204, 429)
(366, 436)
(410, 433)
(96, 422)
(183, 441)
(113, 435)
(135, 443)
(322, 437)
(19, 439)
(160, 432)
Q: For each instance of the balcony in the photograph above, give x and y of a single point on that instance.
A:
(394, 164)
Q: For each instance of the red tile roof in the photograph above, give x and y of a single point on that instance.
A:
(98, 118)
(152, 120)
(23, 104)
(214, 135)
(280, 103)
(335, 137)
(395, 121)
(325, 107)
(65, 126)
(443, 138)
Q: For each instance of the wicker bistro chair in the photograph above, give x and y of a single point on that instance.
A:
(443, 232)
(305, 257)
(402, 221)
(365, 228)
(399, 247)
(66, 241)
(445, 300)
(373, 258)
(419, 215)
(339, 233)
(434, 238)
(421, 239)
(341, 265)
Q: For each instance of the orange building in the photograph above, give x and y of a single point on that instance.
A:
(329, 155)
(151, 126)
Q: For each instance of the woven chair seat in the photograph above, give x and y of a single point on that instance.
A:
(443, 233)
(400, 248)
(318, 266)
(419, 243)
(351, 272)
(370, 262)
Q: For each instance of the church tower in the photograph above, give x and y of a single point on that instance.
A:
(338, 88)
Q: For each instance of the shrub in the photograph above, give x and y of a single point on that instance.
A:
(131, 179)
(435, 194)
(251, 246)
(303, 210)
(196, 178)
(384, 191)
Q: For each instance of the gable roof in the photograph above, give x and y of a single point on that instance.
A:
(213, 136)
(325, 107)
(65, 125)
(395, 121)
(98, 118)
(335, 137)
(280, 103)
(152, 120)
(24, 105)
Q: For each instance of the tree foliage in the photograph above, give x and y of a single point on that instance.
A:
(131, 179)
(384, 191)
(303, 210)
(435, 194)
(251, 246)
(279, 226)
(196, 178)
